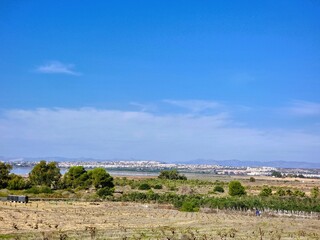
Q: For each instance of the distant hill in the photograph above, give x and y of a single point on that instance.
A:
(239, 163)
(231, 163)
(66, 159)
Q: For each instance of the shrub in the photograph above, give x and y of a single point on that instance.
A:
(218, 189)
(17, 182)
(289, 192)
(121, 181)
(172, 175)
(252, 179)
(157, 186)
(265, 192)
(105, 191)
(39, 189)
(280, 192)
(315, 192)
(144, 186)
(299, 193)
(194, 202)
(236, 189)
(172, 188)
(190, 206)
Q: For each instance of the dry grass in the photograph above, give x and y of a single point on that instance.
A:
(113, 220)
(303, 184)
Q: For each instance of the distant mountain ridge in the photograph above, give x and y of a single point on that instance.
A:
(239, 163)
(231, 163)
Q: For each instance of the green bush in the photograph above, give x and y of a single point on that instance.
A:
(218, 189)
(157, 186)
(105, 191)
(252, 179)
(17, 182)
(39, 189)
(144, 186)
(289, 192)
(299, 193)
(236, 189)
(315, 192)
(190, 206)
(172, 175)
(280, 192)
(265, 192)
(193, 202)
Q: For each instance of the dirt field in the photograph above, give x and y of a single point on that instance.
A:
(113, 220)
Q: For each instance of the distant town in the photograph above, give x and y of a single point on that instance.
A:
(156, 166)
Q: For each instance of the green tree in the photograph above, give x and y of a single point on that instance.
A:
(265, 192)
(315, 192)
(172, 175)
(47, 174)
(77, 176)
(236, 189)
(100, 178)
(17, 182)
(5, 169)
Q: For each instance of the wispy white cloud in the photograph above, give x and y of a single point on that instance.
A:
(194, 105)
(104, 133)
(144, 107)
(56, 67)
(304, 108)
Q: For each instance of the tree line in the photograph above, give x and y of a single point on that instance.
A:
(194, 202)
(46, 176)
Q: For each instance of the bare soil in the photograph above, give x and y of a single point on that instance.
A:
(114, 220)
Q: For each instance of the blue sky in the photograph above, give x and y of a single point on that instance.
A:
(161, 80)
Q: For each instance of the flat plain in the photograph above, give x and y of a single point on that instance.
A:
(116, 220)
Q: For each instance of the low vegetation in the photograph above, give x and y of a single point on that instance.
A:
(236, 203)
(170, 187)
(236, 189)
(218, 188)
(163, 207)
(172, 175)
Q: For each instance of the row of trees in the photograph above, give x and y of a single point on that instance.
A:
(48, 175)
(194, 202)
